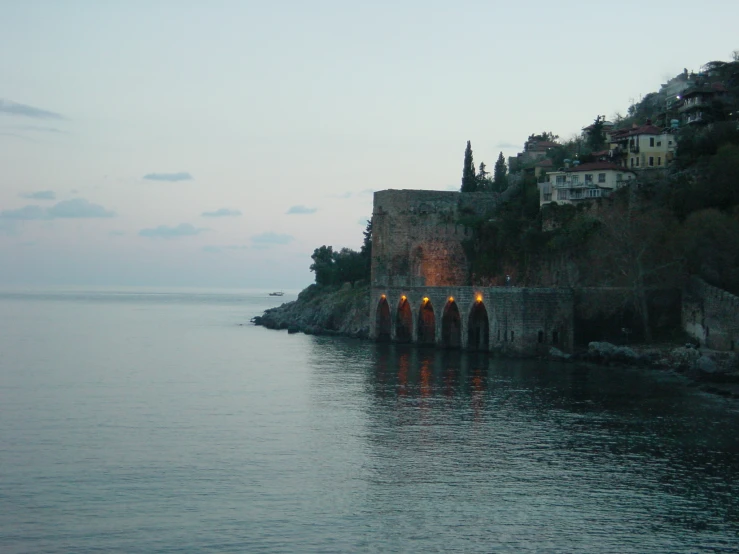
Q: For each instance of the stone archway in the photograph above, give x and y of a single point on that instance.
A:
(383, 320)
(451, 326)
(478, 335)
(426, 323)
(404, 321)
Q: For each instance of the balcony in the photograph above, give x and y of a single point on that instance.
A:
(634, 148)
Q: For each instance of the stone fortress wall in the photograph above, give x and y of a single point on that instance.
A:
(416, 240)
(711, 315)
(421, 289)
(420, 282)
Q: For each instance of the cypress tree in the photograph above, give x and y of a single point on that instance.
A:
(469, 179)
(499, 174)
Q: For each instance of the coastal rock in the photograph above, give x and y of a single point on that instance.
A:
(706, 365)
(683, 359)
(323, 311)
(557, 354)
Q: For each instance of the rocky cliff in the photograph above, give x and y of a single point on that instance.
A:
(323, 311)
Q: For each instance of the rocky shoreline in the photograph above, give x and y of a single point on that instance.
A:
(342, 311)
(323, 311)
(714, 371)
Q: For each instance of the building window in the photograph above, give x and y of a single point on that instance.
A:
(651, 141)
(561, 195)
(637, 161)
(576, 194)
(512, 336)
(560, 180)
(541, 337)
(575, 179)
(619, 177)
(651, 161)
(632, 162)
(659, 143)
(669, 143)
(601, 177)
(594, 193)
(659, 160)
(555, 337)
(589, 179)
(547, 197)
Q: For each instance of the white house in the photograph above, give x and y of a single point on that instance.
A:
(583, 182)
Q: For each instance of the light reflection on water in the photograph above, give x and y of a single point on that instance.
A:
(132, 422)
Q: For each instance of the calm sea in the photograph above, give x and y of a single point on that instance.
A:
(151, 421)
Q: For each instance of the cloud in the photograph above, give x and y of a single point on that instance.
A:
(171, 177)
(265, 240)
(13, 108)
(116, 233)
(507, 145)
(26, 213)
(40, 195)
(78, 208)
(212, 249)
(367, 191)
(223, 212)
(163, 231)
(300, 209)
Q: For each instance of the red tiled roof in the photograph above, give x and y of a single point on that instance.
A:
(641, 130)
(544, 163)
(596, 166)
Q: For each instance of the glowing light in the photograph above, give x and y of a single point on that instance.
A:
(382, 296)
(425, 299)
(479, 298)
(402, 297)
(451, 299)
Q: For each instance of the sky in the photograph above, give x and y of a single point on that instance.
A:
(217, 144)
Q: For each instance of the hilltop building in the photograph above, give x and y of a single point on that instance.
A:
(643, 147)
(584, 182)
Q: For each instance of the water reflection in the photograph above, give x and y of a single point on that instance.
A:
(607, 455)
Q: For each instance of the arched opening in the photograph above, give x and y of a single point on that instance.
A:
(478, 334)
(403, 321)
(451, 326)
(383, 320)
(426, 323)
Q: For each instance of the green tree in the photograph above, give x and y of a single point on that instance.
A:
(500, 174)
(366, 250)
(469, 179)
(349, 266)
(597, 134)
(323, 265)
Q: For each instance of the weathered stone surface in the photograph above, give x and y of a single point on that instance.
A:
(417, 237)
(711, 316)
(557, 354)
(704, 364)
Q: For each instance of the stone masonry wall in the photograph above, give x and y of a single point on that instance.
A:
(711, 315)
(416, 240)
(521, 321)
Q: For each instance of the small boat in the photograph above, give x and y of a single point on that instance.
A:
(280, 293)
